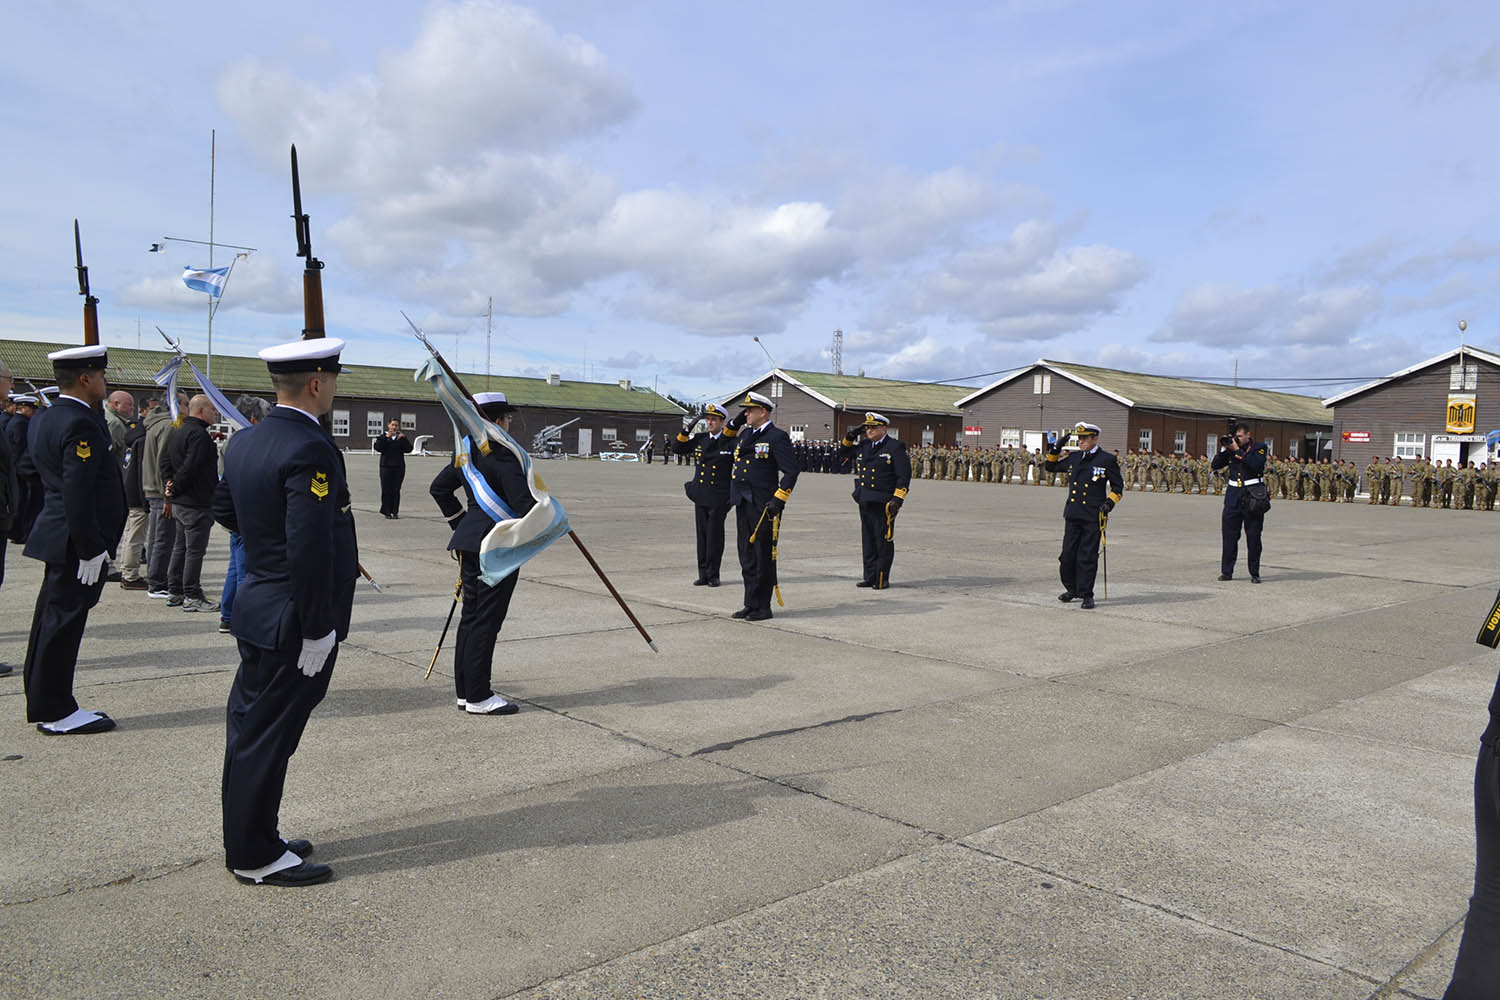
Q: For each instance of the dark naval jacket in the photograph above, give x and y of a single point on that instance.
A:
(1093, 476)
(1246, 465)
(285, 491)
(765, 465)
(83, 510)
(882, 469)
(503, 472)
(709, 486)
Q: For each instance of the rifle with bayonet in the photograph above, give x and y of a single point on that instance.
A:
(312, 274)
(90, 302)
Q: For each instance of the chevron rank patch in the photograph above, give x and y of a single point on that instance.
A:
(319, 485)
(83, 451)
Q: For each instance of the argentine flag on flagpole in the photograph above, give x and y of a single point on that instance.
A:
(512, 540)
(210, 280)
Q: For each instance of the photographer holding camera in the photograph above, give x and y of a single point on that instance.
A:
(1246, 500)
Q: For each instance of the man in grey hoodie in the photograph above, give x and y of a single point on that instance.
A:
(160, 531)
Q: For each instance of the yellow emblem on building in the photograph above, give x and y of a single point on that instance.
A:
(1461, 413)
(319, 485)
(84, 451)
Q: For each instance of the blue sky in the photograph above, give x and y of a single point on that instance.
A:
(643, 188)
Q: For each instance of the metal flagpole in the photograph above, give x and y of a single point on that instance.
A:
(208, 359)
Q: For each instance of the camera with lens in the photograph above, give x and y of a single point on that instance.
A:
(1229, 425)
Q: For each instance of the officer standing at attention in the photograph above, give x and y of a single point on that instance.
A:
(496, 488)
(1094, 487)
(762, 452)
(709, 487)
(285, 491)
(393, 446)
(1246, 461)
(882, 475)
(82, 515)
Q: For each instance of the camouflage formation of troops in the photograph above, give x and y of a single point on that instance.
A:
(1422, 483)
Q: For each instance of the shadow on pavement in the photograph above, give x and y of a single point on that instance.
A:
(647, 691)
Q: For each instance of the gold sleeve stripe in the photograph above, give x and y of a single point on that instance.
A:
(729, 432)
(783, 495)
(1114, 496)
(681, 436)
(1053, 457)
(900, 494)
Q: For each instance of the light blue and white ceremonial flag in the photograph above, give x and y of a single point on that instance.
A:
(210, 280)
(167, 379)
(221, 402)
(512, 540)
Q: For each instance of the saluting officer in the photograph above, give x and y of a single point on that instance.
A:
(762, 453)
(82, 515)
(285, 491)
(496, 488)
(882, 475)
(1094, 487)
(1246, 461)
(709, 487)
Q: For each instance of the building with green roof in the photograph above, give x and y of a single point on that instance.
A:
(606, 415)
(819, 406)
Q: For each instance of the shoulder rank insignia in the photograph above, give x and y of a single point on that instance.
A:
(84, 451)
(319, 485)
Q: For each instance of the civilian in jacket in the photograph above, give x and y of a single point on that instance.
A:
(190, 471)
(161, 530)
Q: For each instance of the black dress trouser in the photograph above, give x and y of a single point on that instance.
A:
(1234, 519)
(390, 489)
(756, 565)
(1476, 972)
(479, 624)
(269, 705)
(878, 553)
(1079, 562)
(62, 611)
(710, 525)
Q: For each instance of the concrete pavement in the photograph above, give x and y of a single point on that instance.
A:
(954, 788)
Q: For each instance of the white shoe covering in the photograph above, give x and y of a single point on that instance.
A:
(80, 717)
(287, 860)
(491, 704)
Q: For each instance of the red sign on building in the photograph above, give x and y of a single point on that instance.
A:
(973, 430)
(1361, 437)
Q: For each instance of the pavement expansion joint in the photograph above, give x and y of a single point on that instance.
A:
(1393, 987)
(771, 734)
(124, 880)
(1171, 912)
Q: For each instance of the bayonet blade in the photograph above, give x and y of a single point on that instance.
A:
(83, 272)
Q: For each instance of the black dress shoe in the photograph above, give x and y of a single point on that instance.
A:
(1254, 578)
(5, 668)
(307, 873)
(864, 583)
(714, 582)
(1225, 576)
(103, 724)
(700, 582)
(302, 848)
(741, 613)
(1066, 596)
(758, 615)
(880, 586)
(1088, 604)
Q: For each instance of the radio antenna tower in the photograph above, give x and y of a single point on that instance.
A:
(836, 355)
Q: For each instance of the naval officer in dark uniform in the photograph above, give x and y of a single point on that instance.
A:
(763, 474)
(1246, 464)
(82, 516)
(393, 447)
(284, 490)
(484, 606)
(1094, 487)
(709, 487)
(882, 475)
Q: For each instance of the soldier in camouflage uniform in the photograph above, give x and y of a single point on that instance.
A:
(1446, 474)
(1466, 480)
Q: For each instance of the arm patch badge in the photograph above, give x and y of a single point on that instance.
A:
(83, 451)
(319, 485)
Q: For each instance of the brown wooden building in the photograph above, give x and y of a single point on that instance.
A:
(1137, 412)
(820, 406)
(1440, 408)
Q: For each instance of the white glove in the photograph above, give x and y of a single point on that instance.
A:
(315, 653)
(88, 569)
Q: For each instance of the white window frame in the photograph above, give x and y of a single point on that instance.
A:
(1041, 384)
(374, 423)
(408, 421)
(1143, 439)
(1179, 442)
(1292, 447)
(1211, 444)
(1409, 444)
(607, 434)
(341, 423)
(642, 434)
(1463, 377)
(1010, 437)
